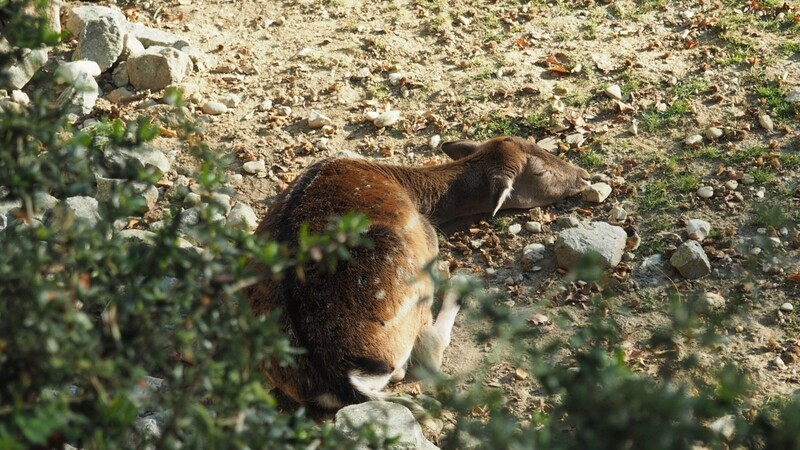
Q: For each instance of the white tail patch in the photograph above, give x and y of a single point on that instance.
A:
(329, 401)
(370, 385)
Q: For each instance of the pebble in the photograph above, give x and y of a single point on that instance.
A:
(697, 229)
(793, 97)
(714, 300)
(317, 120)
(787, 307)
(265, 105)
(705, 192)
(614, 92)
(766, 122)
(568, 222)
(386, 119)
(20, 97)
(597, 192)
(534, 252)
(242, 215)
(575, 139)
(748, 179)
(714, 133)
(214, 108)
(230, 100)
(191, 199)
(694, 140)
(533, 227)
(258, 168)
(515, 228)
(779, 363)
(617, 214)
(371, 115)
(731, 185)
(434, 141)
(691, 260)
(606, 241)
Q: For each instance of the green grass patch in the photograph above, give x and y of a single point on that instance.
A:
(498, 125)
(654, 197)
(789, 48)
(790, 160)
(771, 215)
(683, 91)
(773, 97)
(654, 120)
(687, 182)
(763, 175)
(590, 158)
(746, 155)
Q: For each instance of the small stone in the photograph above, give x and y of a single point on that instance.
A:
(386, 119)
(597, 192)
(779, 364)
(191, 199)
(257, 168)
(793, 96)
(694, 140)
(371, 115)
(317, 120)
(81, 96)
(20, 97)
(617, 214)
(766, 122)
(349, 154)
(214, 108)
(119, 76)
(26, 66)
(550, 144)
(714, 300)
(568, 222)
(691, 261)
(575, 139)
(515, 228)
(434, 141)
(533, 227)
(713, 133)
(265, 105)
(243, 216)
(118, 95)
(697, 229)
(731, 185)
(534, 252)
(83, 207)
(230, 100)
(604, 240)
(614, 92)
(157, 68)
(787, 307)
(705, 192)
(724, 426)
(748, 179)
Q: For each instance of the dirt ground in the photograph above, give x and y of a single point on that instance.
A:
(476, 69)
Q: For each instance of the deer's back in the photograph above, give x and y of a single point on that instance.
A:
(372, 306)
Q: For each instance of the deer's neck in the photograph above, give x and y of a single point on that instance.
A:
(446, 192)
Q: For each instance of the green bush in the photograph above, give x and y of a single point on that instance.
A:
(98, 333)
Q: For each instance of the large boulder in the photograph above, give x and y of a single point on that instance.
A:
(101, 41)
(78, 17)
(157, 68)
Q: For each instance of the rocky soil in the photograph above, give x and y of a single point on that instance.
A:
(686, 112)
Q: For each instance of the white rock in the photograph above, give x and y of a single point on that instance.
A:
(70, 72)
(779, 364)
(242, 215)
(81, 96)
(121, 162)
(26, 66)
(787, 307)
(694, 140)
(390, 420)
(691, 261)
(317, 120)
(533, 227)
(607, 241)
(731, 185)
(713, 133)
(214, 108)
(387, 119)
(349, 154)
(597, 192)
(714, 300)
(748, 179)
(371, 115)
(515, 228)
(697, 229)
(575, 139)
(534, 252)
(84, 208)
(550, 144)
(617, 214)
(705, 192)
(725, 426)
(78, 17)
(793, 96)
(157, 68)
(152, 37)
(101, 41)
(766, 122)
(434, 141)
(265, 105)
(20, 97)
(614, 92)
(230, 100)
(255, 167)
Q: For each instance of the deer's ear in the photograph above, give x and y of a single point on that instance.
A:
(460, 149)
(501, 189)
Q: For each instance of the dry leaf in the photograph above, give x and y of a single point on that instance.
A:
(794, 276)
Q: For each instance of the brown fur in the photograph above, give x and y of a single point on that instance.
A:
(348, 321)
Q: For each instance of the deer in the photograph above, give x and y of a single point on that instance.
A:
(362, 325)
